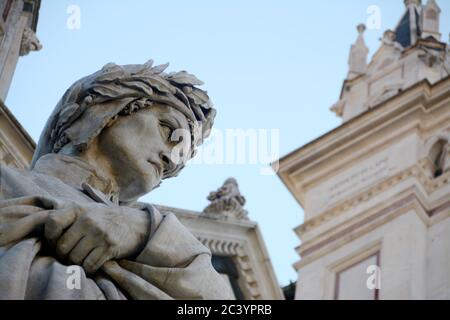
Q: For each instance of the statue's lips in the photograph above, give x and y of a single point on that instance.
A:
(157, 166)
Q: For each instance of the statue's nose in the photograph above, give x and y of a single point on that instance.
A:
(166, 161)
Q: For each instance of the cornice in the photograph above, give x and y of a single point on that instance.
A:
(381, 213)
(240, 246)
(346, 233)
(421, 171)
(192, 215)
(17, 127)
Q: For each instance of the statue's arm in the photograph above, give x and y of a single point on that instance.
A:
(173, 260)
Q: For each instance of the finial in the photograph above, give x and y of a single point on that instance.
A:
(227, 202)
(413, 2)
(361, 28)
(388, 37)
(358, 54)
(431, 20)
(389, 40)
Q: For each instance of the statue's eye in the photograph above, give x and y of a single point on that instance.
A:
(166, 131)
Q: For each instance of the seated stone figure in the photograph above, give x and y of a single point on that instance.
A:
(111, 139)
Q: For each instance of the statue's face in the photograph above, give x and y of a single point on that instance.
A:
(138, 148)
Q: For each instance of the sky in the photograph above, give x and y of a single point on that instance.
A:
(266, 64)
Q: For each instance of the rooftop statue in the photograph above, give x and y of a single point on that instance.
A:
(113, 137)
(226, 203)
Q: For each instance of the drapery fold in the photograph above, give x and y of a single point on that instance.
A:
(172, 265)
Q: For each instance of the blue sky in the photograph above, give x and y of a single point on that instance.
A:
(266, 64)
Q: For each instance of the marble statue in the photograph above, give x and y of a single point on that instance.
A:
(29, 42)
(113, 137)
(226, 203)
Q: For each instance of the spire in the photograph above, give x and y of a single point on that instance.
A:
(358, 55)
(408, 30)
(370, 84)
(430, 20)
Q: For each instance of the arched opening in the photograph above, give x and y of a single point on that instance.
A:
(437, 156)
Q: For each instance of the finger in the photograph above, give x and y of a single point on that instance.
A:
(81, 250)
(95, 260)
(14, 213)
(57, 222)
(69, 239)
(17, 230)
(38, 201)
(22, 201)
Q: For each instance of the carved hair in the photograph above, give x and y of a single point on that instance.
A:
(94, 101)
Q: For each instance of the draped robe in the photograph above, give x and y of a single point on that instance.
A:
(172, 265)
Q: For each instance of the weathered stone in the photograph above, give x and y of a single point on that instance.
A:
(109, 141)
(227, 202)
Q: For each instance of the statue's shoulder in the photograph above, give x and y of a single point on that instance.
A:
(12, 180)
(11, 173)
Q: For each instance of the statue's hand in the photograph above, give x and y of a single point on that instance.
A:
(91, 234)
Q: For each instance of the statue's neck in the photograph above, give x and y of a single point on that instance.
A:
(74, 171)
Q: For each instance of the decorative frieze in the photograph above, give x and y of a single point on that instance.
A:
(420, 171)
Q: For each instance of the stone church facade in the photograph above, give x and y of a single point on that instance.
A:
(18, 21)
(239, 251)
(376, 190)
